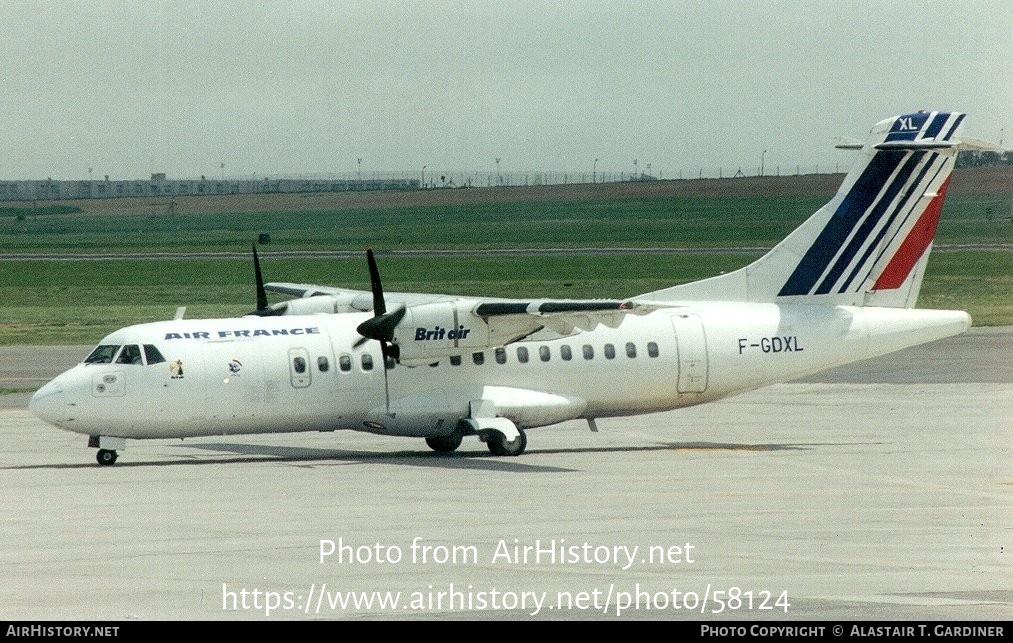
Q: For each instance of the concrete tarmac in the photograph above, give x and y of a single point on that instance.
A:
(881, 490)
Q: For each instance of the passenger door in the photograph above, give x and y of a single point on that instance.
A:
(691, 343)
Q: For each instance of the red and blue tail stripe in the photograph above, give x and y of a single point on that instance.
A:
(878, 206)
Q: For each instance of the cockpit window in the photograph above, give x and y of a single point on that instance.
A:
(102, 354)
(131, 354)
(152, 355)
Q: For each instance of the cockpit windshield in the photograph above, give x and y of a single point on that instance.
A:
(131, 354)
(103, 354)
(152, 355)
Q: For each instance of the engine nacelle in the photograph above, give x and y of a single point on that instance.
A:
(432, 331)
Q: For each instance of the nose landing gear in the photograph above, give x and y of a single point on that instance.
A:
(106, 457)
(107, 447)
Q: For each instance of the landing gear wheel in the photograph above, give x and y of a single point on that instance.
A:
(106, 457)
(499, 445)
(446, 443)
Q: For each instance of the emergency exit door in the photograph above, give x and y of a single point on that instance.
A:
(299, 367)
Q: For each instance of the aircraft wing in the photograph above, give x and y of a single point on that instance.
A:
(523, 318)
(306, 290)
(428, 327)
(433, 330)
(311, 298)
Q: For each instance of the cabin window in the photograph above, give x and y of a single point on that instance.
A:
(610, 351)
(588, 351)
(323, 364)
(152, 355)
(131, 354)
(522, 354)
(631, 350)
(299, 364)
(367, 362)
(102, 354)
(544, 353)
(478, 358)
(345, 363)
(566, 353)
(652, 349)
(455, 360)
(501, 356)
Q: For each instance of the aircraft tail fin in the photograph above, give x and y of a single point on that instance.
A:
(869, 245)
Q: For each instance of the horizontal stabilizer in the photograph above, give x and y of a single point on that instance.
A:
(976, 145)
(904, 146)
(848, 143)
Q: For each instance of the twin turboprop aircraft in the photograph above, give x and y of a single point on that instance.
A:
(838, 289)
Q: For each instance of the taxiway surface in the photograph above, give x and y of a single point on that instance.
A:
(882, 490)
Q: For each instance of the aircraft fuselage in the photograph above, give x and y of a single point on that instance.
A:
(304, 373)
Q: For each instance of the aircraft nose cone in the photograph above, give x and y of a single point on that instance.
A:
(49, 404)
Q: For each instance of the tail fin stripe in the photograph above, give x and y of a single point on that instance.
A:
(903, 225)
(905, 203)
(915, 245)
(862, 194)
(953, 129)
(935, 125)
(865, 228)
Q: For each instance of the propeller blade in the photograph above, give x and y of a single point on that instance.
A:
(261, 293)
(379, 307)
(381, 325)
(263, 308)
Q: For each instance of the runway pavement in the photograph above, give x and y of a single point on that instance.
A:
(882, 490)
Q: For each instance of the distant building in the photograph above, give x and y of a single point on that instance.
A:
(159, 185)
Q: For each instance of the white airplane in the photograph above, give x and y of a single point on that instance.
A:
(839, 289)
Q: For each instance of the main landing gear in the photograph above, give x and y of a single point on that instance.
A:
(446, 443)
(496, 441)
(499, 445)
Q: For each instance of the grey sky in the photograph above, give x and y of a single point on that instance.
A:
(308, 87)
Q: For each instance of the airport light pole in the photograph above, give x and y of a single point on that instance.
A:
(424, 176)
(594, 172)
(761, 161)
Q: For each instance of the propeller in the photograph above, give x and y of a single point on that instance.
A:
(381, 325)
(263, 309)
